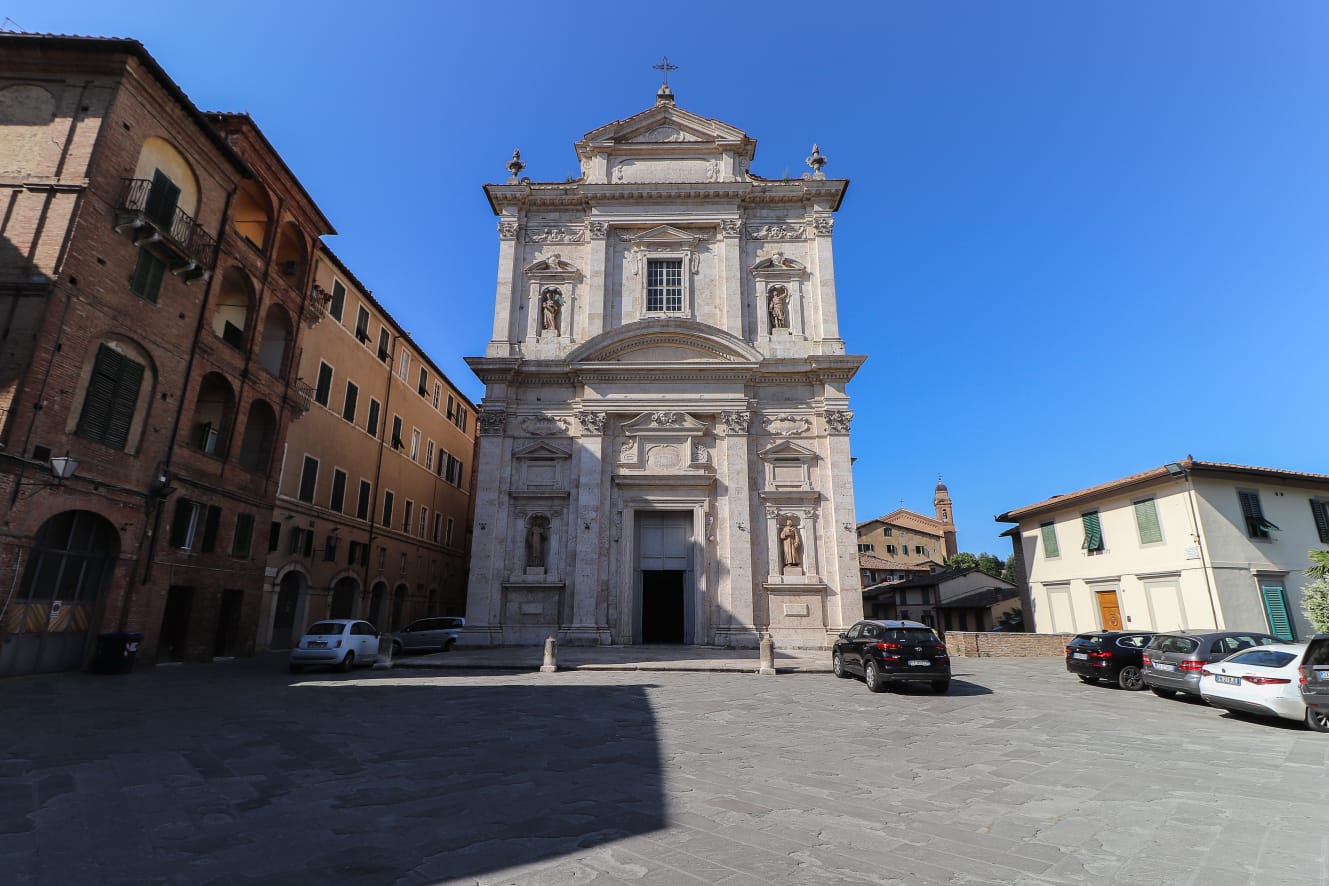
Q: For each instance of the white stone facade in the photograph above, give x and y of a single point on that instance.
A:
(665, 395)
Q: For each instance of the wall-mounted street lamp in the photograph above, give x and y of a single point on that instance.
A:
(63, 467)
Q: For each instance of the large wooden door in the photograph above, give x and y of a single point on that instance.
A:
(1110, 610)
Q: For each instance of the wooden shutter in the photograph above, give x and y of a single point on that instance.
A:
(1050, 547)
(1093, 531)
(162, 199)
(147, 280)
(1320, 512)
(308, 479)
(1146, 519)
(101, 393)
(1275, 606)
(210, 525)
(184, 515)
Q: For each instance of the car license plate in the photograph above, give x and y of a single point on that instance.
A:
(1164, 667)
(1231, 681)
(1083, 656)
(919, 663)
(1321, 675)
(318, 644)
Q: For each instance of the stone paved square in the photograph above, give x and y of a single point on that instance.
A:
(238, 773)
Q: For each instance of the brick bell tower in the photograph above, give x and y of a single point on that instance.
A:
(941, 500)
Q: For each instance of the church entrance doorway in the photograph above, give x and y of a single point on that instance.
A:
(664, 577)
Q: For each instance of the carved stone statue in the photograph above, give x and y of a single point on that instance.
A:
(551, 309)
(537, 533)
(779, 306)
(791, 544)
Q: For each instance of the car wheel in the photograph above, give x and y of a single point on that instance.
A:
(348, 662)
(941, 686)
(1086, 678)
(1317, 720)
(1130, 678)
(870, 676)
(295, 668)
(447, 647)
(837, 666)
(1161, 692)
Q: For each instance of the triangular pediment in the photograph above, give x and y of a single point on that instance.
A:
(664, 421)
(664, 235)
(664, 124)
(787, 449)
(540, 450)
(553, 264)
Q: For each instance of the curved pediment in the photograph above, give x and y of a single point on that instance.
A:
(665, 341)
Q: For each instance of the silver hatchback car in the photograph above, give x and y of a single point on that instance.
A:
(428, 634)
(1173, 660)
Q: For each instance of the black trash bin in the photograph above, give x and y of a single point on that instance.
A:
(115, 652)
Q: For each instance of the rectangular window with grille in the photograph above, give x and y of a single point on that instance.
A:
(1146, 520)
(1256, 525)
(664, 285)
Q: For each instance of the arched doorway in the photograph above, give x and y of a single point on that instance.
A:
(50, 618)
(376, 596)
(289, 592)
(343, 597)
(398, 607)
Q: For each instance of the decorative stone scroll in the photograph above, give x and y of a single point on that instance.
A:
(592, 422)
(786, 425)
(837, 420)
(736, 422)
(664, 419)
(492, 421)
(543, 425)
(730, 227)
(776, 232)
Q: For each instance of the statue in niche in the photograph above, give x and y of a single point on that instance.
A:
(537, 534)
(551, 309)
(779, 306)
(791, 544)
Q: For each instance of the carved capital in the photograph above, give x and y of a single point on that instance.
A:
(507, 230)
(731, 227)
(837, 420)
(823, 225)
(592, 422)
(492, 421)
(597, 229)
(736, 422)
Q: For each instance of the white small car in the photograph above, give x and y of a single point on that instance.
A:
(1264, 680)
(337, 642)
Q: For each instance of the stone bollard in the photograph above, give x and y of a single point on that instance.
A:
(551, 656)
(767, 657)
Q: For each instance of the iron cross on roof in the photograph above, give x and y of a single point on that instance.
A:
(666, 67)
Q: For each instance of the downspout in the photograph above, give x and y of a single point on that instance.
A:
(1199, 543)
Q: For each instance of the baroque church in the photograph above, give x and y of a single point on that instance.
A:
(664, 436)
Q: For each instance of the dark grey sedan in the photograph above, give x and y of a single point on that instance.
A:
(1173, 660)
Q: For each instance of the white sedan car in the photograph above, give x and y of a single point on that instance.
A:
(1263, 680)
(339, 642)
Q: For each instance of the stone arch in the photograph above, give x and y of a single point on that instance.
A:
(214, 412)
(292, 253)
(276, 344)
(292, 590)
(251, 213)
(125, 393)
(235, 305)
(260, 434)
(49, 621)
(345, 590)
(665, 338)
(377, 593)
(158, 159)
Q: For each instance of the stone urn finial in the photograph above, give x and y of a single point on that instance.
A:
(515, 166)
(816, 161)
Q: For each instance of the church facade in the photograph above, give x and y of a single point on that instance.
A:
(664, 436)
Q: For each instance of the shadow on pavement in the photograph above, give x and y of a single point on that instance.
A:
(958, 687)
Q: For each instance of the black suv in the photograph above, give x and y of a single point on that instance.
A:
(892, 651)
(1315, 682)
(1109, 655)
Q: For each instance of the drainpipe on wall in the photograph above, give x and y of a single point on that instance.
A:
(378, 469)
(1199, 543)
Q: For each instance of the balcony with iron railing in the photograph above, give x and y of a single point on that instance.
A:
(192, 251)
(319, 300)
(300, 396)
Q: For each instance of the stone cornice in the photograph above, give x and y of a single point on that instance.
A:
(804, 192)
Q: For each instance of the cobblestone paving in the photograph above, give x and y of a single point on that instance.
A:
(237, 773)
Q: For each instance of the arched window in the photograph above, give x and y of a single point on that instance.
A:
(260, 432)
(213, 410)
(276, 341)
(292, 255)
(344, 593)
(252, 213)
(235, 300)
(116, 385)
(173, 183)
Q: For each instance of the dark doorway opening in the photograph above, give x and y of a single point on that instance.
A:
(228, 623)
(662, 606)
(283, 617)
(172, 643)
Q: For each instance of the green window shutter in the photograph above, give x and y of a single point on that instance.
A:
(1320, 512)
(108, 407)
(1050, 547)
(147, 280)
(1275, 606)
(121, 415)
(210, 525)
(1256, 525)
(244, 533)
(1093, 531)
(1146, 518)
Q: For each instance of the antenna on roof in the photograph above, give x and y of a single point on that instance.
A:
(9, 21)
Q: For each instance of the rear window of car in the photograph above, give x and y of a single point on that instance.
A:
(1133, 641)
(1262, 658)
(1318, 654)
(1171, 643)
(326, 627)
(1087, 640)
(910, 635)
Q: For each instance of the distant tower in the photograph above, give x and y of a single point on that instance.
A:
(941, 500)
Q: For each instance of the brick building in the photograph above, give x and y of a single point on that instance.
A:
(374, 507)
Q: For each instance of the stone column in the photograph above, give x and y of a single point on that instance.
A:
(734, 529)
(585, 525)
(844, 602)
(827, 323)
(598, 288)
(732, 279)
(484, 596)
(505, 297)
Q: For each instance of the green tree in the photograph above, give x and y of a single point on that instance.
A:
(962, 560)
(989, 563)
(1008, 572)
(1319, 567)
(1315, 603)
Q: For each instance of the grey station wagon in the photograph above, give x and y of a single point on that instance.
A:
(1173, 661)
(428, 634)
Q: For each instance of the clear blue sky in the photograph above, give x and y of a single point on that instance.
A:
(1081, 239)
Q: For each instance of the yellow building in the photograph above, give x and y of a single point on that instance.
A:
(373, 510)
(904, 544)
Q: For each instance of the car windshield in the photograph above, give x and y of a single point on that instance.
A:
(1262, 658)
(909, 635)
(327, 627)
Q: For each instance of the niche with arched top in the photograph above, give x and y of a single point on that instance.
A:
(173, 181)
(235, 300)
(213, 410)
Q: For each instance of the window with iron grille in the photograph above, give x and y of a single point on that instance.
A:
(664, 285)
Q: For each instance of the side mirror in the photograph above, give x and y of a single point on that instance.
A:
(844, 636)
